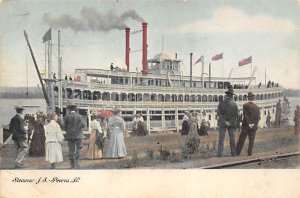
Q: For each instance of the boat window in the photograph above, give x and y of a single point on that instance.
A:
(153, 97)
(123, 97)
(180, 98)
(210, 98)
(77, 94)
(106, 96)
(186, 98)
(240, 97)
(257, 97)
(204, 98)
(96, 95)
(161, 98)
(199, 98)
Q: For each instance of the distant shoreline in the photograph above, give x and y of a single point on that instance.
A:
(21, 93)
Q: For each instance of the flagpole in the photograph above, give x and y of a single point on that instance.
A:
(251, 68)
(191, 68)
(45, 60)
(59, 72)
(222, 67)
(202, 71)
(265, 77)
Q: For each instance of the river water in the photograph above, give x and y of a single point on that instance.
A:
(7, 110)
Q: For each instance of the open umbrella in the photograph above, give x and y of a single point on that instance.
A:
(105, 114)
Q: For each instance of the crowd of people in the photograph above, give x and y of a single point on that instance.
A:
(195, 122)
(139, 127)
(42, 135)
(229, 120)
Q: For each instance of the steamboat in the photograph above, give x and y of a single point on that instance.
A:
(160, 92)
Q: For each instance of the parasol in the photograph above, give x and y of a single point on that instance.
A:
(105, 114)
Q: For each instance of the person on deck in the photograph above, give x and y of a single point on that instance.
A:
(60, 119)
(185, 124)
(95, 148)
(54, 141)
(249, 125)
(116, 146)
(228, 115)
(37, 145)
(73, 125)
(268, 120)
(19, 135)
(297, 119)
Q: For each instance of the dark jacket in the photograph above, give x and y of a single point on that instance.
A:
(73, 125)
(251, 115)
(16, 127)
(227, 111)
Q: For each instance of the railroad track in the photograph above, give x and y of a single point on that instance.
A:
(253, 160)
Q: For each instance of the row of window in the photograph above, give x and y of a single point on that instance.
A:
(107, 96)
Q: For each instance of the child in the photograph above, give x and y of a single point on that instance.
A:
(54, 140)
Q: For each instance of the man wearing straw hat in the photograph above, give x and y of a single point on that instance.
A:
(249, 125)
(19, 135)
(228, 116)
(73, 125)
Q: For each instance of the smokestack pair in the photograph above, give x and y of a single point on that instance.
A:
(144, 48)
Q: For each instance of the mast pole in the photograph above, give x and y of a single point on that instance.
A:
(59, 72)
(202, 75)
(266, 77)
(37, 70)
(191, 69)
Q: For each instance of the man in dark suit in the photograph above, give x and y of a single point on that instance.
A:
(228, 116)
(73, 125)
(19, 135)
(249, 125)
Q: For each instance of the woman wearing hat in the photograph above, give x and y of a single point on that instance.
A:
(116, 147)
(54, 140)
(94, 150)
(37, 146)
(185, 124)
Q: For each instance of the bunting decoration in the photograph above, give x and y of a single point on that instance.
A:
(217, 57)
(47, 36)
(201, 59)
(245, 61)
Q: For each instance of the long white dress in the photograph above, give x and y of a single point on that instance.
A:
(93, 151)
(116, 147)
(53, 135)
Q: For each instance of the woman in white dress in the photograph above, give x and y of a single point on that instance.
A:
(116, 146)
(94, 152)
(54, 140)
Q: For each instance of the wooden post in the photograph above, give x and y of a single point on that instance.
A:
(148, 121)
(163, 122)
(176, 120)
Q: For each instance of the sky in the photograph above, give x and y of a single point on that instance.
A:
(93, 36)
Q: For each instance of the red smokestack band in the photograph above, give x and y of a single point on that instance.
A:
(127, 48)
(144, 48)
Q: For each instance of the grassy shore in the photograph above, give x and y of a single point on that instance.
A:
(165, 150)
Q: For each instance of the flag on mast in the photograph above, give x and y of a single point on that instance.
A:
(47, 36)
(201, 59)
(217, 57)
(245, 61)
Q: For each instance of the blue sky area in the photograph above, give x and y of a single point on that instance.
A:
(266, 30)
